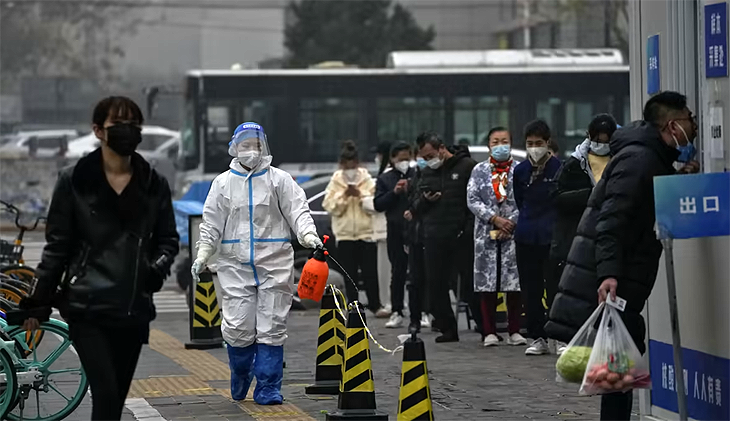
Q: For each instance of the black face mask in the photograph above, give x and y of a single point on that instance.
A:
(123, 138)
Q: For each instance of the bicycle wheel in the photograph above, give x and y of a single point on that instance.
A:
(8, 383)
(11, 294)
(21, 273)
(61, 376)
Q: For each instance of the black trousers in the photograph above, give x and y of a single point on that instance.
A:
(617, 406)
(444, 258)
(360, 257)
(418, 295)
(557, 267)
(398, 266)
(536, 279)
(109, 356)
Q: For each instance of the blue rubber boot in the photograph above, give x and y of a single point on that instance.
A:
(240, 360)
(269, 370)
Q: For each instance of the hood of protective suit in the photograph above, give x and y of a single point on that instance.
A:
(249, 146)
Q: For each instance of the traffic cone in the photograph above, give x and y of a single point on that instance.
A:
(330, 348)
(357, 391)
(414, 402)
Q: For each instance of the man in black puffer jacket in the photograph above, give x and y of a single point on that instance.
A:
(616, 249)
(448, 227)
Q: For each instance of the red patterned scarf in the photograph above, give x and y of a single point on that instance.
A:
(500, 178)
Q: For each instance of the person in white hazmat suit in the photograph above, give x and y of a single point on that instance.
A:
(248, 217)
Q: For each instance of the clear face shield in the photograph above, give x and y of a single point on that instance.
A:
(249, 145)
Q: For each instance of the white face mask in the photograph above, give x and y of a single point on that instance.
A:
(249, 158)
(600, 149)
(351, 176)
(537, 153)
(434, 163)
(402, 166)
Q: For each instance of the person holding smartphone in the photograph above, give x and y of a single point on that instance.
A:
(353, 227)
(448, 227)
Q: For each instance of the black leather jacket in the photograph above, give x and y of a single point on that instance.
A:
(106, 254)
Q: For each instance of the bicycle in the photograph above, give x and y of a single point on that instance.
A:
(21, 376)
(11, 255)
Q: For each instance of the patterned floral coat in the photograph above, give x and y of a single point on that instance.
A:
(482, 201)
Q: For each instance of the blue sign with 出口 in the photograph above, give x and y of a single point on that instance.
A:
(716, 40)
(652, 65)
(690, 206)
(705, 382)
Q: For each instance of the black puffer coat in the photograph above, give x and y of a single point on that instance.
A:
(615, 237)
(108, 253)
(573, 187)
(449, 216)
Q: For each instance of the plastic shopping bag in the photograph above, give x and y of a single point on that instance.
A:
(571, 366)
(615, 364)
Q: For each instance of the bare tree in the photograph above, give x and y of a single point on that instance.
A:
(60, 39)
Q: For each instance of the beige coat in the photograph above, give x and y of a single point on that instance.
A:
(350, 220)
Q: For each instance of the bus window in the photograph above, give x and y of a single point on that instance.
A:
(217, 138)
(404, 118)
(475, 116)
(549, 110)
(578, 115)
(326, 122)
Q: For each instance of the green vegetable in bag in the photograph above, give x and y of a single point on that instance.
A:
(571, 365)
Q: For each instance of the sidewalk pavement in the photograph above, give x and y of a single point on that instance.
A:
(468, 382)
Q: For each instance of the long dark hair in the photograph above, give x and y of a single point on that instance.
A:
(384, 150)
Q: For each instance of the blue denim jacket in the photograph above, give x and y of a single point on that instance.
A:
(537, 213)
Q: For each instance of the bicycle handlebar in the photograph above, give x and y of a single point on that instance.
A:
(12, 209)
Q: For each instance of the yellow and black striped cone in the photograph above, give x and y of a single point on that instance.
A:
(357, 393)
(330, 348)
(414, 402)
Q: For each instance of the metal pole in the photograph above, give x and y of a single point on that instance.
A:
(674, 319)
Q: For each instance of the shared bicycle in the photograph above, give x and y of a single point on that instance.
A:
(11, 254)
(41, 376)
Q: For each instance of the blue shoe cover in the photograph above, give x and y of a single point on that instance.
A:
(240, 360)
(269, 370)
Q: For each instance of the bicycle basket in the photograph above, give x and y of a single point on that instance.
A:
(9, 253)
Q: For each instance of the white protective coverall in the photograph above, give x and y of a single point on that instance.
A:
(252, 214)
(249, 215)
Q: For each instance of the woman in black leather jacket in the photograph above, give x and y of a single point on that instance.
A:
(110, 242)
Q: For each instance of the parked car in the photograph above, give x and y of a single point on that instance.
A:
(43, 143)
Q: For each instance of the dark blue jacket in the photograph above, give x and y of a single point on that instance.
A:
(537, 213)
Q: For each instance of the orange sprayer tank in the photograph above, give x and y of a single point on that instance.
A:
(314, 275)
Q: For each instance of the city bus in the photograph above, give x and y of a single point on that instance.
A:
(307, 113)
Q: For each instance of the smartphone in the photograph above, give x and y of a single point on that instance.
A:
(425, 188)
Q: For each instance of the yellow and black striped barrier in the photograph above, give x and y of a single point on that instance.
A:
(414, 401)
(330, 348)
(357, 392)
(205, 315)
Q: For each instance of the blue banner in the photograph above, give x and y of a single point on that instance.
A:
(705, 382)
(653, 84)
(690, 206)
(716, 40)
